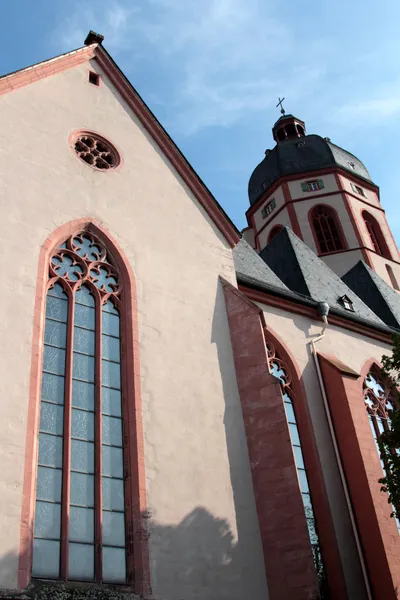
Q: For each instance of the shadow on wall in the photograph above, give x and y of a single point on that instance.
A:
(194, 560)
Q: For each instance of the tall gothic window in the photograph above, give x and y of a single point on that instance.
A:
(79, 531)
(376, 236)
(327, 229)
(279, 369)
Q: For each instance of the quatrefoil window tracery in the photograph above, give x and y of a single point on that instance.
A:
(84, 258)
(378, 397)
(96, 151)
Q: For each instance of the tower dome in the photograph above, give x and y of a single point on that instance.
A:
(296, 153)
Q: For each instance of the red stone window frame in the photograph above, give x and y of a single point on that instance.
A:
(124, 295)
(95, 150)
(375, 234)
(274, 232)
(326, 228)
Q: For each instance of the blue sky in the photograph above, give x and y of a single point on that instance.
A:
(211, 71)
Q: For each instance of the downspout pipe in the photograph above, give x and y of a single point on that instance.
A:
(323, 310)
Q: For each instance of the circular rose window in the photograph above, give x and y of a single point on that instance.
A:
(96, 151)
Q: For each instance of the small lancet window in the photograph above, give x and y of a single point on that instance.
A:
(346, 303)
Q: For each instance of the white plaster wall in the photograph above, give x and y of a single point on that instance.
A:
(370, 196)
(280, 201)
(248, 235)
(379, 265)
(354, 350)
(296, 190)
(302, 211)
(198, 478)
(281, 219)
(341, 262)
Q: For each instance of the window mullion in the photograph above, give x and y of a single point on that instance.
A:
(98, 444)
(67, 440)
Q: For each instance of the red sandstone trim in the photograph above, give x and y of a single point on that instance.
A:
(309, 175)
(138, 561)
(308, 311)
(378, 234)
(319, 495)
(52, 66)
(379, 535)
(291, 211)
(167, 146)
(286, 545)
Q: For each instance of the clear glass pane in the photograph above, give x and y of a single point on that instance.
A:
(113, 532)
(110, 348)
(83, 394)
(84, 341)
(111, 375)
(82, 456)
(53, 388)
(114, 565)
(112, 431)
(299, 457)
(84, 316)
(58, 291)
(47, 520)
(83, 367)
(82, 425)
(82, 489)
(111, 402)
(56, 309)
(46, 559)
(110, 324)
(54, 360)
(80, 562)
(112, 462)
(110, 307)
(83, 296)
(51, 418)
(81, 524)
(48, 485)
(55, 333)
(303, 480)
(312, 531)
(50, 450)
(294, 434)
(290, 412)
(113, 494)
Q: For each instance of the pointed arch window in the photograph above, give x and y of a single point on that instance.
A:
(327, 230)
(376, 236)
(80, 528)
(280, 370)
(274, 232)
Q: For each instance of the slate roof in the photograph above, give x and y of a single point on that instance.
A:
(252, 269)
(299, 156)
(304, 273)
(375, 292)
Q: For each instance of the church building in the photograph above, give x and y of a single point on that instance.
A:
(189, 412)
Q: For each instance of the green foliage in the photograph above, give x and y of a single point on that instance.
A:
(389, 441)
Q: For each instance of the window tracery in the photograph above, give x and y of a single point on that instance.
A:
(327, 230)
(96, 151)
(80, 524)
(281, 371)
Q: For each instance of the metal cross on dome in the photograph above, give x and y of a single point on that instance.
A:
(280, 100)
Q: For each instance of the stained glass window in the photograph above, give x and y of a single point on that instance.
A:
(279, 369)
(79, 531)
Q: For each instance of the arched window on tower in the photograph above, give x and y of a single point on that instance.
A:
(274, 232)
(80, 530)
(376, 236)
(327, 230)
